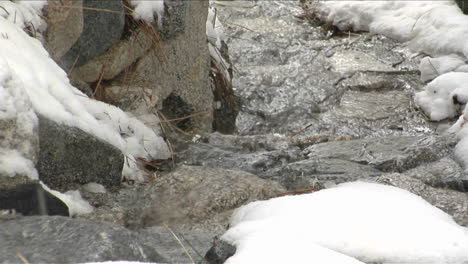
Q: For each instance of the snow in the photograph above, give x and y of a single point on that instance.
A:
(13, 163)
(144, 9)
(349, 223)
(75, 203)
(214, 28)
(24, 13)
(433, 27)
(430, 68)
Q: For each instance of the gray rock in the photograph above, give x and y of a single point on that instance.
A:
(101, 30)
(452, 202)
(322, 172)
(64, 26)
(189, 197)
(444, 173)
(219, 252)
(70, 156)
(66, 240)
(178, 245)
(116, 59)
(182, 88)
(259, 162)
(390, 154)
(325, 160)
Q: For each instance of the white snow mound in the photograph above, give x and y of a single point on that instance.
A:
(369, 222)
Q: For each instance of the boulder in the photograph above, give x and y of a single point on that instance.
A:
(64, 26)
(69, 156)
(389, 154)
(55, 239)
(179, 70)
(219, 252)
(103, 25)
(115, 60)
(188, 197)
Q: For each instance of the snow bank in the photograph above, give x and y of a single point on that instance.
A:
(349, 223)
(144, 9)
(432, 27)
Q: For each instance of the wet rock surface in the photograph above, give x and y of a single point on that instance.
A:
(54, 239)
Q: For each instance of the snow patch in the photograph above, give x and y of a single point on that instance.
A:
(24, 13)
(13, 163)
(145, 10)
(75, 203)
(365, 221)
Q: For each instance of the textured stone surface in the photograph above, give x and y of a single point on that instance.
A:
(67, 240)
(292, 75)
(394, 154)
(115, 60)
(64, 26)
(70, 156)
(298, 163)
(101, 30)
(196, 242)
(189, 197)
(219, 252)
(180, 70)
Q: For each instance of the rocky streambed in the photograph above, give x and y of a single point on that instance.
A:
(316, 108)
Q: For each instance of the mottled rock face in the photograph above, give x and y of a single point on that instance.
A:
(101, 30)
(191, 197)
(67, 240)
(70, 156)
(181, 68)
(64, 26)
(219, 252)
